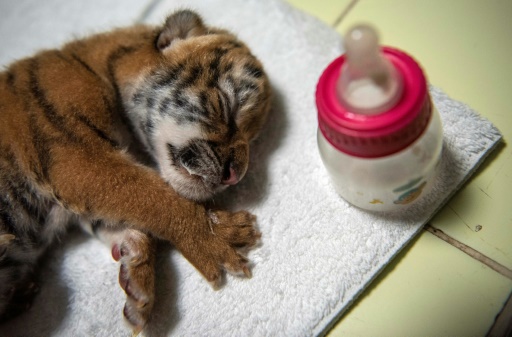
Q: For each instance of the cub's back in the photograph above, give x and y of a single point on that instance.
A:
(66, 97)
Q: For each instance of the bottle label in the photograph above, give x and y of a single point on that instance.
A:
(409, 192)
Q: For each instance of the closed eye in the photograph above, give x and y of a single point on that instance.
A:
(173, 152)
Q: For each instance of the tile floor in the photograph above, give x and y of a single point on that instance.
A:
(433, 288)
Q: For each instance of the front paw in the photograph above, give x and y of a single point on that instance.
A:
(221, 246)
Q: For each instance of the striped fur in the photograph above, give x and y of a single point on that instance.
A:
(129, 128)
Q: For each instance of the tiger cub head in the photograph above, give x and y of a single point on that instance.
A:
(199, 109)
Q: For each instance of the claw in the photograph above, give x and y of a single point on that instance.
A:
(216, 284)
(247, 272)
(123, 277)
(137, 327)
(5, 239)
(140, 302)
(136, 332)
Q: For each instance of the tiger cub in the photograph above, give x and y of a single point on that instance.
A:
(71, 121)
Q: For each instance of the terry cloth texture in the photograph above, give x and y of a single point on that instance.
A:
(318, 252)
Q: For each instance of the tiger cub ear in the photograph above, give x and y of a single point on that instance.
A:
(179, 26)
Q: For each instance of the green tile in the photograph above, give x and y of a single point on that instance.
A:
(430, 289)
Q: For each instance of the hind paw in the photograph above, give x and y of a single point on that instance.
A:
(19, 299)
(136, 276)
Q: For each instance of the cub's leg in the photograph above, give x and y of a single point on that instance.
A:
(17, 274)
(123, 191)
(135, 251)
(29, 224)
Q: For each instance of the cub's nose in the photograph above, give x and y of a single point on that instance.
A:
(230, 177)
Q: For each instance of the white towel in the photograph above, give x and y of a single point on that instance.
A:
(318, 252)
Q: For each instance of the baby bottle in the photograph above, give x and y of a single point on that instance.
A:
(380, 136)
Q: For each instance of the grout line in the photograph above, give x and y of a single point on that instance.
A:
(471, 252)
(344, 13)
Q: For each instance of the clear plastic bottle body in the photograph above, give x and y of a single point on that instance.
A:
(390, 182)
(380, 137)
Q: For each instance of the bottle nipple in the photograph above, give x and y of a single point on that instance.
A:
(369, 84)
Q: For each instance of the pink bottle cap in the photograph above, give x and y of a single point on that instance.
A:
(374, 135)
